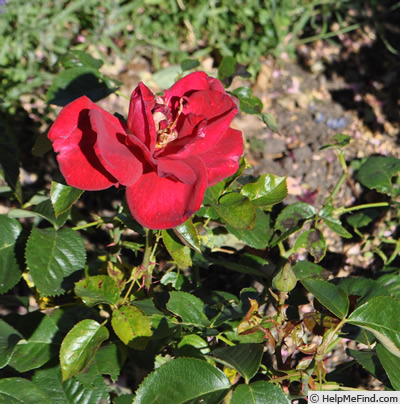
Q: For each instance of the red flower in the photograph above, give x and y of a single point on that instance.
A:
(167, 153)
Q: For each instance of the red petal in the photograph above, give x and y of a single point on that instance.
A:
(73, 138)
(222, 160)
(162, 203)
(122, 162)
(209, 114)
(192, 82)
(196, 81)
(218, 108)
(179, 169)
(140, 118)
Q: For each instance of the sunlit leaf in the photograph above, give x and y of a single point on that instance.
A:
(260, 392)
(188, 232)
(63, 197)
(79, 347)
(40, 347)
(190, 308)
(168, 385)
(391, 365)
(16, 390)
(179, 252)
(267, 191)
(329, 295)
(53, 255)
(237, 211)
(245, 358)
(132, 326)
(380, 316)
(98, 289)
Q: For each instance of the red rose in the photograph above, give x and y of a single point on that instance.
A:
(167, 153)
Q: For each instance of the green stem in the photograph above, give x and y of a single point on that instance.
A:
(343, 210)
(395, 253)
(122, 95)
(148, 249)
(328, 35)
(145, 265)
(322, 348)
(84, 226)
(342, 179)
(226, 340)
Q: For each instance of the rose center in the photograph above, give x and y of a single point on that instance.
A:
(165, 126)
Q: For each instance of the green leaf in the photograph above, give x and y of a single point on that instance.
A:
(53, 255)
(391, 283)
(190, 308)
(193, 340)
(124, 399)
(189, 64)
(63, 197)
(267, 191)
(132, 326)
(365, 288)
(270, 122)
(245, 358)
(260, 236)
(174, 279)
(237, 211)
(45, 210)
(38, 349)
(177, 250)
(77, 58)
(75, 82)
(16, 390)
(380, 316)
(108, 361)
(213, 193)
(314, 242)
(168, 384)
(377, 172)
(333, 223)
(10, 159)
(391, 365)
(362, 219)
(307, 269)
(340, 139)
(67, 392)
(292, 218)
(188, 232)
(9, 338)
(329, 295)
(369, 361)
(260, 392)
(98, 289)
(166, 77)
(79, 347)
(10, 272)
(248, 102)
(227, 69)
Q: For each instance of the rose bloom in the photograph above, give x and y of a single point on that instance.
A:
(167, 153)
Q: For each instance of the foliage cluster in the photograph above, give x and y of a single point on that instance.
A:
(34, 35)
(115, 299)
